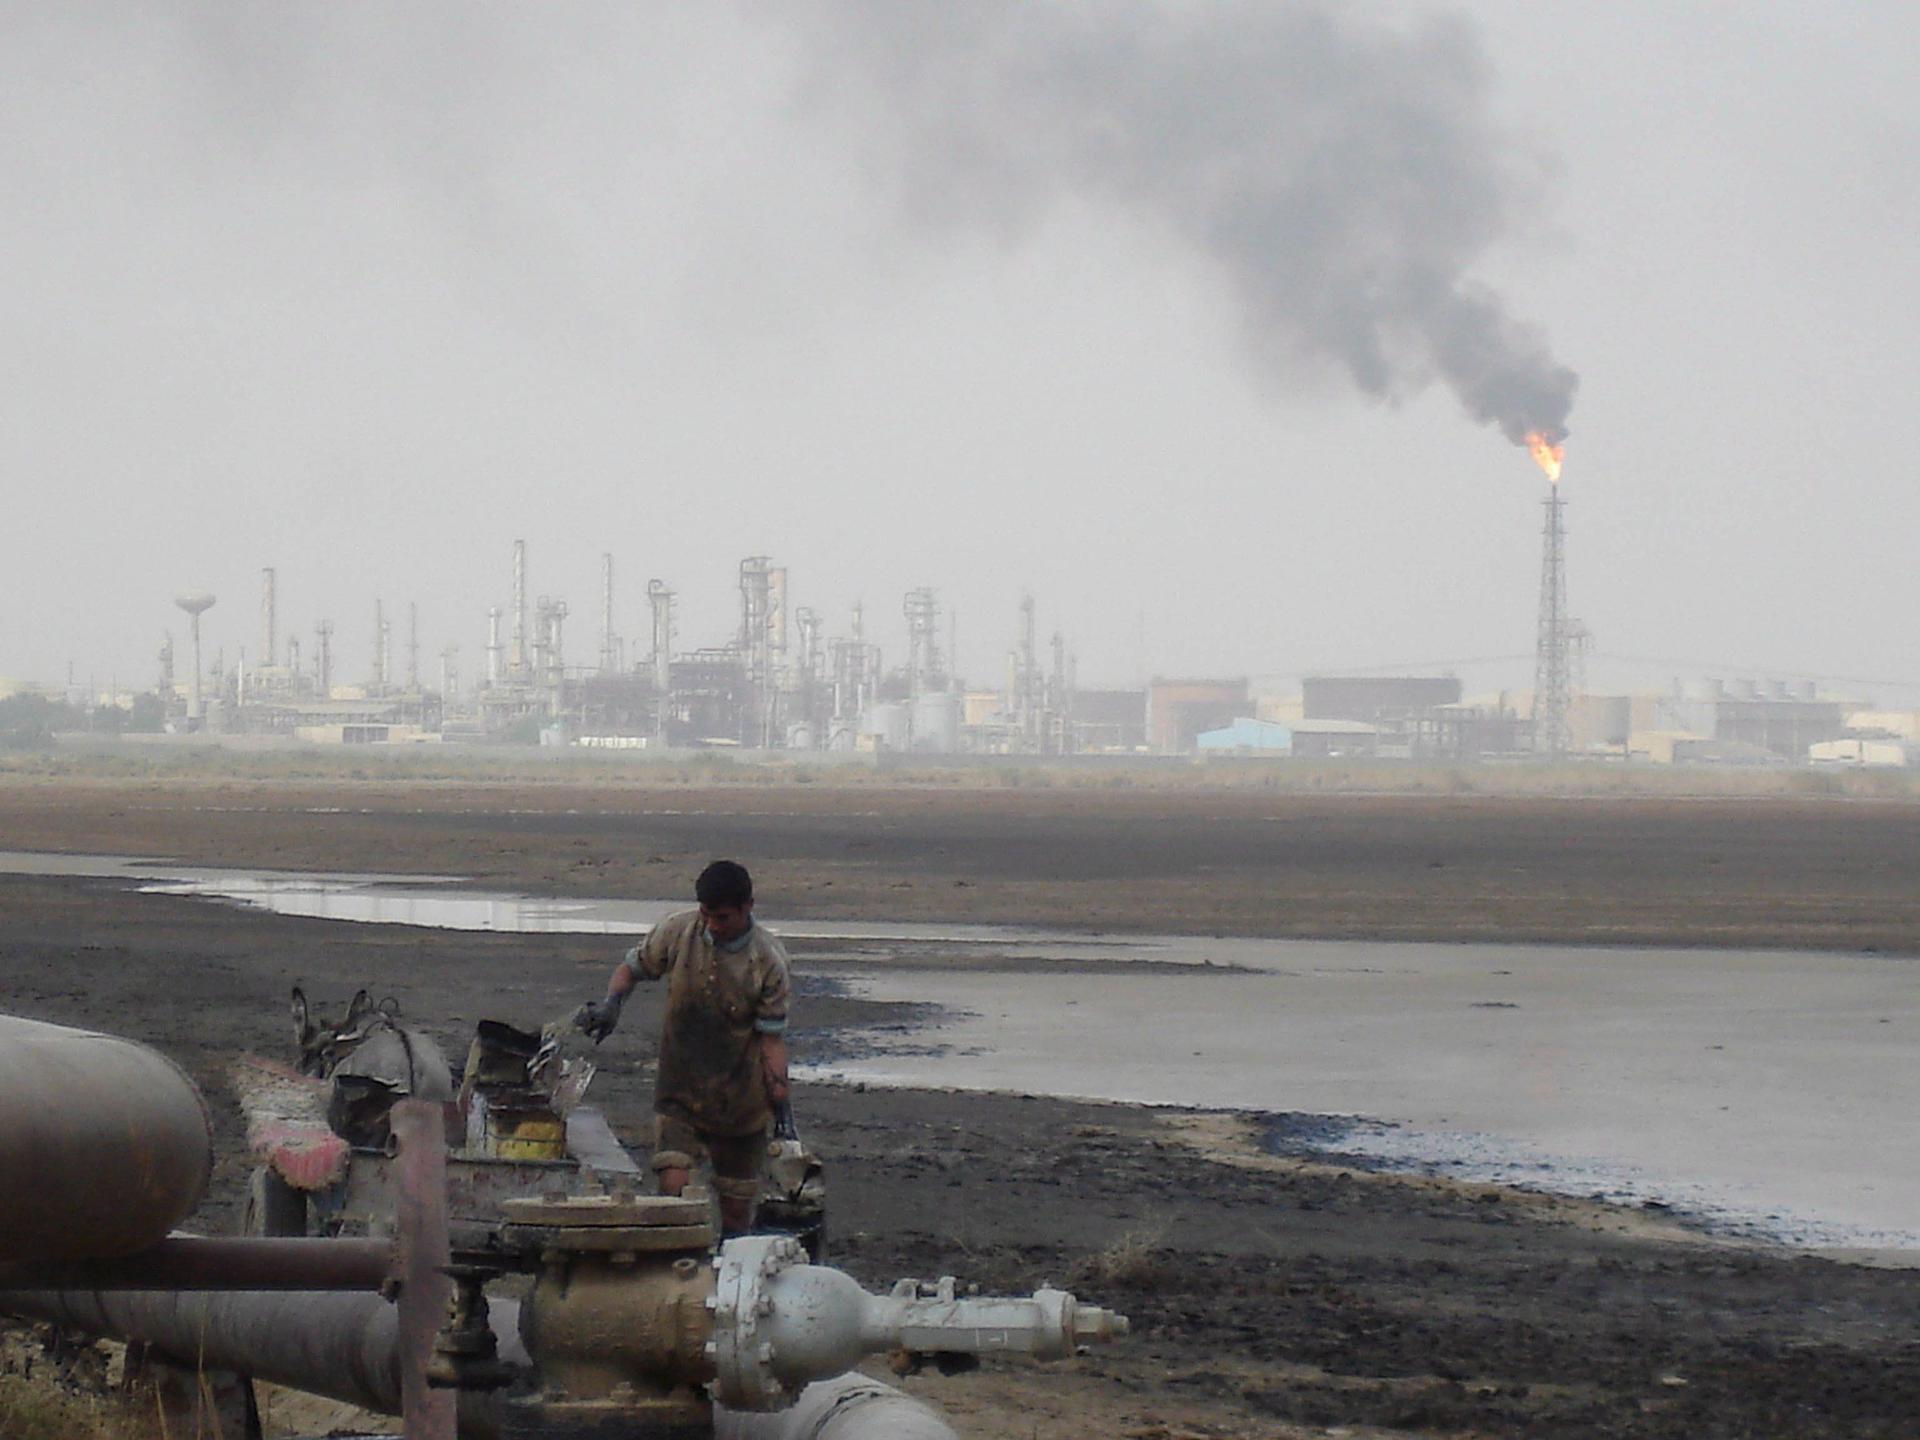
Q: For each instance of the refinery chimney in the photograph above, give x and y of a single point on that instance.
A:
(517, 654)
(660, 598)
(379, 647)
(268, 628)
(323, 658)
(609, 662)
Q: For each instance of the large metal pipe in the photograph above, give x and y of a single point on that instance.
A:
(343, 1346)
(849, 1407)
(107, 1145)
(192, 1262)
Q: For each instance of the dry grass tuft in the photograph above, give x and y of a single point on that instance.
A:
(1137, 1258)
(39, 1410)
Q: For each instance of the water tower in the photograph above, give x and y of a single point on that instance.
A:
(195, 603)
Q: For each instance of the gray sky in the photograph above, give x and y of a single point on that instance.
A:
(1172, 314)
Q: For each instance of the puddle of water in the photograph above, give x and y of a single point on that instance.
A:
(1770, 1089)
(1761, 1087)
(438, 901)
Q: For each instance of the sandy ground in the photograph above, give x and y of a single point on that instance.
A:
(1273, 1294)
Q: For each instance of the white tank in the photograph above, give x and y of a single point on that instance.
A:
(889, 725)
(936, 723)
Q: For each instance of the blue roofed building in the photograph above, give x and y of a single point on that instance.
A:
(1247, 737)
(1315, 739)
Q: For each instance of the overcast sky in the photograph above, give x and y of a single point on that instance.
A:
(1208, 324)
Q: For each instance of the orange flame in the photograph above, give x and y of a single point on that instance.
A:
(1548, 457)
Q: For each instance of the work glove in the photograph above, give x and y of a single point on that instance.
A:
(597, 1018)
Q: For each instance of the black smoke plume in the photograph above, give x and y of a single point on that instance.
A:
(1343, 175)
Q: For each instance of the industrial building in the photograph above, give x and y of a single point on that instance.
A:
(787, 679)
(781, 681)
(1299, 739)
(1179, 711)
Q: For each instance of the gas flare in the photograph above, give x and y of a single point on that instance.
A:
(1547, 454)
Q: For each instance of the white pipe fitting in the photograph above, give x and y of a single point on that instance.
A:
(780, 1322)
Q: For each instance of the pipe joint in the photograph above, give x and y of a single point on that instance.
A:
(779, 1322)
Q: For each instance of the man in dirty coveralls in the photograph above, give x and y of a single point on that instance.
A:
(723, 1045)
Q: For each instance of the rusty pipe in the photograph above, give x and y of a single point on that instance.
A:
(342, 1346)
(345, 1347)
(192, 1262)
(847, 1407)
(108, 1144)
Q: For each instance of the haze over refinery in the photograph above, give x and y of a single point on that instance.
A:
(1223, 330)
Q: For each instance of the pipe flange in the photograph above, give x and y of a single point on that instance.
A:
(741, 1351)
(607, 1224)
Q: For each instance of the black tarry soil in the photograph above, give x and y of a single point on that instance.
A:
(1271, 1294)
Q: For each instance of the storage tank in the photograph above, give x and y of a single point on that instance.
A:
(888, 726)
(936, 723)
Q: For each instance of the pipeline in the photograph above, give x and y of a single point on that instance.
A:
(342, 1346)
(849, 1407)
(345, 1348)
(781, 1323)
(108, 1144)
(195, 1262)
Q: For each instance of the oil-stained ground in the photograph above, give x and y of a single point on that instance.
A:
(1271, 1295)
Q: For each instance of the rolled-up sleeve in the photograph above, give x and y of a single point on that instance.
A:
(653, 956)
(770, 1015)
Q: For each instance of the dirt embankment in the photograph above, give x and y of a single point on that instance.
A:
(1272, 1296)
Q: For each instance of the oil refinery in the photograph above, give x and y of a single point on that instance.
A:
(785, 679)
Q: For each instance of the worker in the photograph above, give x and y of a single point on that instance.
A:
(723, 1045)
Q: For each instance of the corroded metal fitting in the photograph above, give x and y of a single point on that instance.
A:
(617, 1316)
(612, 1225)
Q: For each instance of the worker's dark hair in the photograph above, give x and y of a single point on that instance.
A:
(724, 883)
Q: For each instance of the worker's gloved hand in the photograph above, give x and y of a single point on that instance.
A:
(597, 1018)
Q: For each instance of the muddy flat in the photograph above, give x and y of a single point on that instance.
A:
(1273, 1293)
(1819, 874)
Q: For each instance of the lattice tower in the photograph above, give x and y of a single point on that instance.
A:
(1552, 657)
